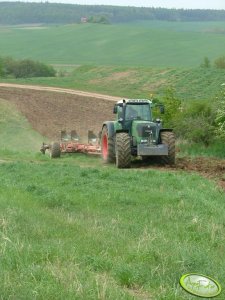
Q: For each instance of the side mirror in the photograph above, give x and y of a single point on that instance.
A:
(115, 109)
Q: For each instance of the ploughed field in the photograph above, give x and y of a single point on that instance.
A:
(50, 110)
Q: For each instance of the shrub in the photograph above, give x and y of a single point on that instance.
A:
(29, 68)
(26, 68)
(197, 123)
(98, 19)
(220, 114)
(220, 62)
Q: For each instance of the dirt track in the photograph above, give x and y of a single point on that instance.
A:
(60, 90)
(50, 110)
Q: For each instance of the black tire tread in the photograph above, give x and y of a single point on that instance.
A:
(54, 150)
(168, 138)
(123, 150)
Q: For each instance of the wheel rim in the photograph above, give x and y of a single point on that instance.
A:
(105, 146)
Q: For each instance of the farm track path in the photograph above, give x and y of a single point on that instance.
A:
(60, 90)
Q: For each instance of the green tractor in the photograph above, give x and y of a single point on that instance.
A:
(135, 133)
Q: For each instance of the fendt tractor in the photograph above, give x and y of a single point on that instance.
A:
(136, 133)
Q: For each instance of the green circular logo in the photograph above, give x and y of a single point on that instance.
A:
(200, 285)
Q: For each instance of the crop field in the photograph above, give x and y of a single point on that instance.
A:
(155, 44)
(189, 84)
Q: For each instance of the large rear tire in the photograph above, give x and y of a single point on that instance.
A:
(168, 138)
(123, 150)
(54, 150)
(107, 146)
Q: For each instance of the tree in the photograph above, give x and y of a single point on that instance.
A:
(206, 63)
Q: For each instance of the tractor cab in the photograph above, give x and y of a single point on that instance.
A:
(129, 110)
(135, 117)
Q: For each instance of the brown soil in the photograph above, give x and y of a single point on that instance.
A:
(50, 110)
(211, 168)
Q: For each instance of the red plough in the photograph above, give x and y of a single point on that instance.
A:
(70, 144)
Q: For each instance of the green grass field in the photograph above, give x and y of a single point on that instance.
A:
(75, 229)
(156, 44)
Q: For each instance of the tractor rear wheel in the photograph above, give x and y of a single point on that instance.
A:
(168, 138)
(123, 150)
(107, 145)
(54, 150)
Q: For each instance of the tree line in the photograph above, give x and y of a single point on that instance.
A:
(12, 13)
(25, 68)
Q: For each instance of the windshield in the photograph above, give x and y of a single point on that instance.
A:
(138, 112)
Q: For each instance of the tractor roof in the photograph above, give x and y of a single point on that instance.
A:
(134, 101)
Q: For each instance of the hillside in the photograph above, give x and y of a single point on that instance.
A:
(191, 83)
(152, 44)
(123, 60)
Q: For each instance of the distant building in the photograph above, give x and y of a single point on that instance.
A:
(83, 20)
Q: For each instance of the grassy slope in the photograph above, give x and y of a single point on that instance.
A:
(16, 133)
(139, 44)
(101, 233)
(194, 83)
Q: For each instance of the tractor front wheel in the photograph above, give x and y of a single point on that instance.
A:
(107, 145)
(54, 150)
(123, 150)
(168, 138)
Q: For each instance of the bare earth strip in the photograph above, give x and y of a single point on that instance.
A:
(60, 90)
